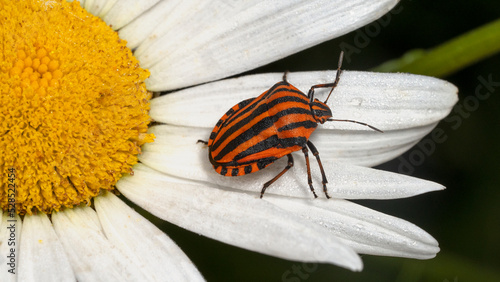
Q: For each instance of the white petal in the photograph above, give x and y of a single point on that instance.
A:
(406, 107)
(92, 256)
(220, 39)
(42, 256)
(365, 230)
(99, 7)
(388, 101)
(10, 238)
(125, 11)
(164, 15)
(235, 218)
(176, 152)
(154, 253)
(366, 148)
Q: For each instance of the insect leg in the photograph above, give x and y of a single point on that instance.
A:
(201, 141)
(310, 94)
(284, 76)
(309, 178)
(267, 184)
(316, 154)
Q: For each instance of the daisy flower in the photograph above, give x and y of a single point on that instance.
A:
(75, 131)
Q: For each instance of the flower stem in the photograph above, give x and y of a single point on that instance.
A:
(450, 56)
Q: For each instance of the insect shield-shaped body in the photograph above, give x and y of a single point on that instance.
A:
(258, 131)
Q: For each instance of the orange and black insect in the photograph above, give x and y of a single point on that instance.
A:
(258, 131)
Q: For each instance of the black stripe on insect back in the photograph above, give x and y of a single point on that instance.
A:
(263, 107)
(235, 171)
(230, 112)
(290, 98)
(263, 145)
(276, 89)
(261, 125)
(255, 130)
(322, 113)
(212, 135)
(285, 88)
(262, 163)
(265, 96)
(270, 142)
(245, 136)
(248, 169)
(241, 105)
(322, 106)
(305, 124)
(293, 141)
(223, 171)
(270, 92)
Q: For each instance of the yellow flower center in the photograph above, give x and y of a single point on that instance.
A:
(73, 106)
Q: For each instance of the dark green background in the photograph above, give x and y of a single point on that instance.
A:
(465, 218)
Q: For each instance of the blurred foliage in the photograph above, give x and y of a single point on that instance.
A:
(450, 56)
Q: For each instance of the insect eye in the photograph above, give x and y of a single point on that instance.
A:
(318, 115)
(321, 112)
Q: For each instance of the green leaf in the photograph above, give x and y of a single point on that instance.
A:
(450, 56)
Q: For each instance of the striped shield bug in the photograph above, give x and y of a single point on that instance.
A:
(256, 132)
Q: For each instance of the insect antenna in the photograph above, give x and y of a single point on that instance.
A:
(337, 78)
(354, 121)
